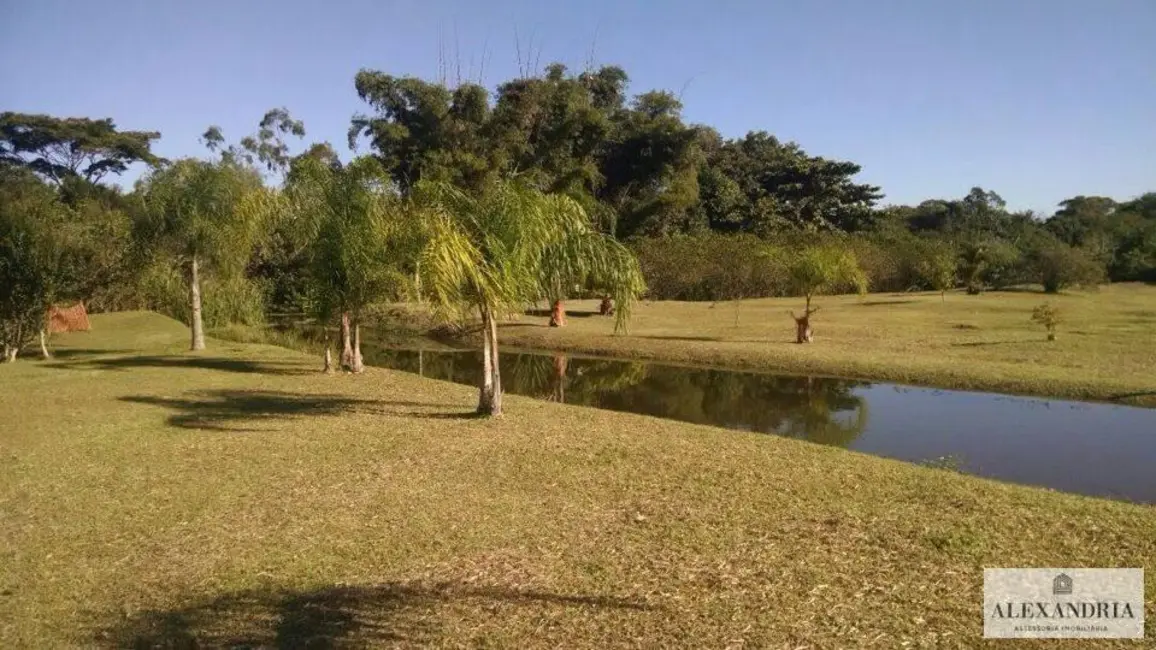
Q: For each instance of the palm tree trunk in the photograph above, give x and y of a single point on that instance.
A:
(358, 365)
(490, 394)
(346, 343)
(198, 325)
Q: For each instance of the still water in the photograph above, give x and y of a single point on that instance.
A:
(1095, 449)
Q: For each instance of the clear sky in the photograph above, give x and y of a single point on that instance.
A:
(1038, 100)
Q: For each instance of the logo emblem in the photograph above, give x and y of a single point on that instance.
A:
(1062, 585)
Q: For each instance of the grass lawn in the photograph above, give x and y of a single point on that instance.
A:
(152, 497)
(1106, 348)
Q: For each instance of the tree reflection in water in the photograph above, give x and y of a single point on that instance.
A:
(822, 410)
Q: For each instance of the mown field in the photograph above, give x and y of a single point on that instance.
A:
(154, 498)
(1106, 347)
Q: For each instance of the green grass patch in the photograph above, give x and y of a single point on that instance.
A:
(1106, 347)
(151, 497)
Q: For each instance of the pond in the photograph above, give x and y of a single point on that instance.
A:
(1087, 448)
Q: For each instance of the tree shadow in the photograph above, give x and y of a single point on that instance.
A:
(977, 344)
(230, 410)
(225, 364)
(874, 303)
(681, 338)
(337, 616)
(75, 353)
(545, 313)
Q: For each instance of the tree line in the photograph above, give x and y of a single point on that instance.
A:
(552, 185)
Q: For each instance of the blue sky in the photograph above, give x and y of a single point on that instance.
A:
(1037, 99)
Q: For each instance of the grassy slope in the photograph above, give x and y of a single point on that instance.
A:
(148, 495)
(1106, 348)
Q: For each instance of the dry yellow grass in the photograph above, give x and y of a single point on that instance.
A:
(1106, 348)
(154, 498)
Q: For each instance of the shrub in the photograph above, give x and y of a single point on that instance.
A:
(1058, 266)
(227, 300)
(710, 267)
(1048, 316)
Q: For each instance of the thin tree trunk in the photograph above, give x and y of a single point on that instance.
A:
(358, 365)
(198, 326)
(328, 361)
(346, 343)
(738, 303)
(44, 345)
(490, 396)
(486, 389)
(558, 315)
(10, 352)
(803, 330)
(942, 296)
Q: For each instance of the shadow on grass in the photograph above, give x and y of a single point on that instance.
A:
(681, 338)
(76, 353)
(339, 616)
(231, 410)
(545, 313)
(977, 344)
(177, 361)
(874, 303)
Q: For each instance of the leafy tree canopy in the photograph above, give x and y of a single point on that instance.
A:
(72, 147)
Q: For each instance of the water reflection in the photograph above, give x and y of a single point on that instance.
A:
(816, 409)
(1095, 449)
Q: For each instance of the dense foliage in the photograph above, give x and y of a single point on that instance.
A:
(276, 227)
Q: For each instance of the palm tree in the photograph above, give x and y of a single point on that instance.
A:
(358, 240)
(509, 246)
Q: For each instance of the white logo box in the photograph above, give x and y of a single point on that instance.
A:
(1063, 603)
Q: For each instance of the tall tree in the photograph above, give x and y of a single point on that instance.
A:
(209, 215)
(60, 149)
(32, 246)
(362, 243)
(424, 130)
(486, 252)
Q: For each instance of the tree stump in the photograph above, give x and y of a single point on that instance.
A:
(557, 315)
(803, 332)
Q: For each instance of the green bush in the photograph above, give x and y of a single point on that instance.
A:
(710, 267)
(225, 301)
(1059, 266)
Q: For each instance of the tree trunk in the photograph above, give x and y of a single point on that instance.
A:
(942, 296)
(198, 326)
(358, 365)
(44, 345)
(557, 315)
(346, 343)
(10, 352)
(803, 333)
(328, 361)
(490, 396)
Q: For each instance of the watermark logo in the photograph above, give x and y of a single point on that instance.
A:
(1063, 603)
